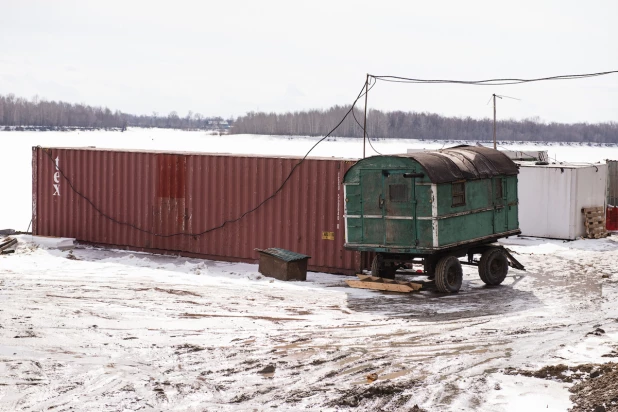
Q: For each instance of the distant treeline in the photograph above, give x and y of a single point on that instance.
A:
(413, 125)
(16, 112)
(22, 114)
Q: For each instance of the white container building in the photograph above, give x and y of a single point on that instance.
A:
(552, 196)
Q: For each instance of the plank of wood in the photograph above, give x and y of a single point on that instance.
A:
(7, 244)
(374, 279)
(392, 287)
(415, 286)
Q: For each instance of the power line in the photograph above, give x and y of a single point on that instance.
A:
(398, 79)
(489, 82)
(368, 138)
(507, 97)
(363, 127)
(112, 219)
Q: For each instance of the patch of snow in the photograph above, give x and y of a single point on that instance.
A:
(18, 152)
(94, 327)
(49, 242)
(521, 393)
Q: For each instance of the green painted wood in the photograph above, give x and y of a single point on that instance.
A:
(512, 203)
(389, 207)
(371, 198)
(355, 230)
(425, 233)
(399, 208)
(460, 228)
(423, 199)
(478, 195)
(500, 194)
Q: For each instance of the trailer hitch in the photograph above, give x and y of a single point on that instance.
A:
(514, 262)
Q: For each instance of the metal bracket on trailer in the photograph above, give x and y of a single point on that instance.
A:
(512, 261)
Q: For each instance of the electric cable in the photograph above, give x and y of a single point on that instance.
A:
(363, 129)
(398, 79)
(489, 82)
(112, 219)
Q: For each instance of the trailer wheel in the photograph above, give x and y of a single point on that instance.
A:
(378, 268)
(448, 275)
(493, 266)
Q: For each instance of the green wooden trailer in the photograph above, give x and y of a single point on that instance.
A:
(434, 208)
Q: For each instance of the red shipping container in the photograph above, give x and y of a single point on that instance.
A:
(122, 198)
(611, 217)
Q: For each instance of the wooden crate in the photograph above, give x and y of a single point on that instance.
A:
(594, 220)
(283, 264)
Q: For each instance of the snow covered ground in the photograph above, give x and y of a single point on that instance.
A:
(90, 329)
(17, 154)
(94, 329)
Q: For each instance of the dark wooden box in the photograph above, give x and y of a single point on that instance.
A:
(283, 264)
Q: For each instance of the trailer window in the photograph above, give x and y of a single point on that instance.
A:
(499, 189)
(398, 193)
(459, 193)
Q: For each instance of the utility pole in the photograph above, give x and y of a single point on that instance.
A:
(493, 96)
(494, 121)
(365, 122)
(499, 97)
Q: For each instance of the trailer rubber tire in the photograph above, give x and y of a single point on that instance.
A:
(493, 266)
(379, 270)
(448, 275)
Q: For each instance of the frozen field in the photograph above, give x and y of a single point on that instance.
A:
(89, 329)
(16, 153)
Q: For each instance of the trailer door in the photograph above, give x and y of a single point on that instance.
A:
(499, 200)
(372, 207)
(400, 208)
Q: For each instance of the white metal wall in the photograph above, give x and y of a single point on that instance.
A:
(591, 189)
(551, 198)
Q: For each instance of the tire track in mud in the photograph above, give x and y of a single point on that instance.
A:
(145, 354)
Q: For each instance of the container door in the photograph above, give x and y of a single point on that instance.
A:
(399, 209)
(372, 207)
(500, 211)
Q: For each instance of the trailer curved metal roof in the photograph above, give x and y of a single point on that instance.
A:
(461, 163)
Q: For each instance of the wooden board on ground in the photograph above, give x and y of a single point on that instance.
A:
(7, 243)
(376, 283)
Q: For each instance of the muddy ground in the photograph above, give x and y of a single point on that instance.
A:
(109, 330)
(595, 385)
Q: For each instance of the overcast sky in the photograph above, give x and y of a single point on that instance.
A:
(228, 57)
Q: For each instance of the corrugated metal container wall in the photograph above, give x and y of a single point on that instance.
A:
(611, 214)
(612, 182)
(129, 195)
(551, 198)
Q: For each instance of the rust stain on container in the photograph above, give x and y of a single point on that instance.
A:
(175, 195)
